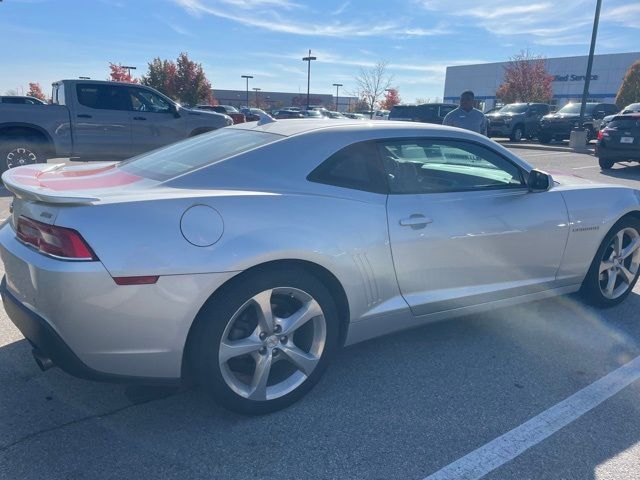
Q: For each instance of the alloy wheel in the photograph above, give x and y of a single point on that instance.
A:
(272, 343)
(20, 156)
(620, 263)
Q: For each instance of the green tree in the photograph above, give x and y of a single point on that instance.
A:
(191, 82)
(183, 80)
(526, 80)
(630, 89)
(162, 75)
(36, 92)
(391, 98)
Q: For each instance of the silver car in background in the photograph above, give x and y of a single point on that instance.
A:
(243, 258)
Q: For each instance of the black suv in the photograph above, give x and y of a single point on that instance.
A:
(517, 120)
(425, 113)
(558, 125)
(619, 141)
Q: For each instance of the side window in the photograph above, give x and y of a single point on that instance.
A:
(102, 96)
(445, 109)
(146, 101)
(357, 167)
(610, 109)
(439, 166)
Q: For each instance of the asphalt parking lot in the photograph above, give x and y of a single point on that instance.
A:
(412, 405)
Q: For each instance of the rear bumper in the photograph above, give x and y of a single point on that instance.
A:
(49, 344)
(74, 313)
(603, 151)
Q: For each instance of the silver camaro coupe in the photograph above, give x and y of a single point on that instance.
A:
(243, 258)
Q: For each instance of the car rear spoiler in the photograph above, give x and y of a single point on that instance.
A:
(42, 194)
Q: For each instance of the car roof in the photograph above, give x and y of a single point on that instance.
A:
(295, 127)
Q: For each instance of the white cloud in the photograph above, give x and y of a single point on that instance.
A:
(341, 8)
(271, 19)
(626, 15)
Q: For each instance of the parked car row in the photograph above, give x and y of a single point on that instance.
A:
(558, 125)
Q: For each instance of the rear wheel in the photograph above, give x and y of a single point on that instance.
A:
(615, 268)
(517, 133)
(605, 163)
(265, 341)
(544, 138)
(19, 152)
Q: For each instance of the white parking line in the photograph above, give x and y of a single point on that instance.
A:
(581, 168)
(496, 453)
(546, 154)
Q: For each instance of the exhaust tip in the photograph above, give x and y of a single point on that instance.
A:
(44, 362)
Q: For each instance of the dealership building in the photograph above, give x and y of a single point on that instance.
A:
(273, 100)
(568, 73)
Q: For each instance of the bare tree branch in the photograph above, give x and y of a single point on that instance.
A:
(371, 84)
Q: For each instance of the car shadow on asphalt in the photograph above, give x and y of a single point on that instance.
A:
(401, 406)
(628, 170)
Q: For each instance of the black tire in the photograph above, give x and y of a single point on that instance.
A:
(517, 134)
(591, 134)
(606, 163)
(16, 152)
(590, 289)
(544, 138)
(215, 315)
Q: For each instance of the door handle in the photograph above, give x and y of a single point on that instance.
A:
(84, 115)
(139, 118)
(416, 221)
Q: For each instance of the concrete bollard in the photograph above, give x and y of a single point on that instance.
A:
(578, 140)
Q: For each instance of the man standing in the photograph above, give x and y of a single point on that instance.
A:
(467, 117)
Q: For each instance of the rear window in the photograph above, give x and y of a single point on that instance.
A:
(403, 111)
(188, 155)
(624, 123)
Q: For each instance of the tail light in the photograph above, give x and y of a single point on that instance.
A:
(600, 135)
(59, 242)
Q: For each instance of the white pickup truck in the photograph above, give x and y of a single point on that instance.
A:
(91, 119)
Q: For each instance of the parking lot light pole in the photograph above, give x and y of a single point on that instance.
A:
(578, 137)
(587, 79)
(308, 59)
(247, 77)
(337, 85)
(256, 89)
(128, 69)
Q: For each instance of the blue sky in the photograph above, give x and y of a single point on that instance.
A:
(46, 40)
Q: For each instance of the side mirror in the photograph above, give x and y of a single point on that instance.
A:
(539, 181)
(175, 110)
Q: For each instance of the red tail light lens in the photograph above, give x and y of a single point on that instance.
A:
(55, 241)
(599, 134)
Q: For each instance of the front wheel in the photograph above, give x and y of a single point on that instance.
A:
(265, 341)
(615, 268)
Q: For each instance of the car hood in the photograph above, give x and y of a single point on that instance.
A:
(560, 116)
(569, 181)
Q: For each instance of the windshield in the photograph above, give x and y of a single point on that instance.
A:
(634, 107)
(514, 108)
(188, 155)
(575, 108)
